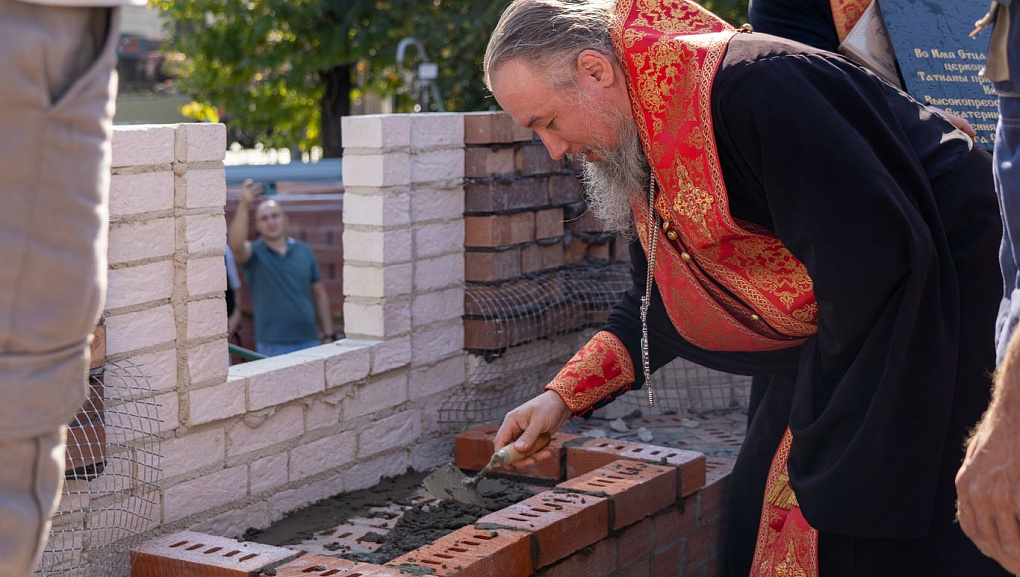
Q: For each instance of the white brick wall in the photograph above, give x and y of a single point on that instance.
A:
(378, 395)
(143, 145)
(433, 240)
(393, 431)
(138, 330)
(193, 452)
(278, 380)
(372, 207)
(377, 131)
(204, 493)
(437, 130)
(132, 194)
(438, 306)
(202, 189)
(206, 361)
(322, 455)
(439, 273)
(139, 284)
(200, 142)
(205, 232)
(268, 473)
(295, 429)
(252, 434)
(139, 240)
(217, 402)
(207, 318)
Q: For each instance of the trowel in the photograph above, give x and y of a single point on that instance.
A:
(448, 483)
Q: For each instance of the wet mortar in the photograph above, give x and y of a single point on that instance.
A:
(379, 524)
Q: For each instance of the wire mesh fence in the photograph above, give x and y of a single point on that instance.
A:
(112, 468)
(521, 332)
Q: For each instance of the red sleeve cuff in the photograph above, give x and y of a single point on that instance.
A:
(600, 368)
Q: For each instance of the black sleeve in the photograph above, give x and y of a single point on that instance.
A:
(850, 199)
(805, 21)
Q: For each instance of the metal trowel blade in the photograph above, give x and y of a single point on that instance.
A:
(447, 483)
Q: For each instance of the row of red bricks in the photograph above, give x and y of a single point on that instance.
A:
(526, 159)
(624, 509)
(514, 261)
(508, 194)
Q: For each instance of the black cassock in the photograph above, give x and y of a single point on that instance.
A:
(893, 213)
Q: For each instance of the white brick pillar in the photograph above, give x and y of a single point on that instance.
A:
(404, 242)
(200, 194)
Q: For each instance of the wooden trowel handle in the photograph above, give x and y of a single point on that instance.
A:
(509, 454)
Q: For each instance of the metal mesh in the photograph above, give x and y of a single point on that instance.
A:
(110, 484)
(521, 332)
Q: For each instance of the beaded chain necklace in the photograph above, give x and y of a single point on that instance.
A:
(646, 300)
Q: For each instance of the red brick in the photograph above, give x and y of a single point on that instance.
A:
(474, 449)
(534, 159)
(700, 543)
(600, 452)
(497, 334)
(483, 162)
(635, 542)
(712, 499)
(666, 562)
(621, 250)
(575, 250)
(636, 490)
(642, 568)
(694, 570)
(492, 266)
(469, 552)
(672, 524)
(516, 297)
(564, 189)
(562, 522)
(499, 230)
(487, 196)
(314, 565)
(599, 251)
(565, 317)
(596, 561)
(585, 222)
(488, 128)
(86, 443)
(538, 257)
(189, 554)
(549, 223)
(714, 566)
(528, 193)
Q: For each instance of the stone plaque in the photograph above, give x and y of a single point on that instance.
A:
(939, 62)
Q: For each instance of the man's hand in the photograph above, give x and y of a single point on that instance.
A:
(250, 192)
(545, 413)
(988, 486)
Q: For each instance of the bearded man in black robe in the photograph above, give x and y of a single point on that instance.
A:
(792, 215)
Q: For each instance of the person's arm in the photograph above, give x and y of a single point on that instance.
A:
(234, 320)
(238, 234)
(988, 484)
(323, 312)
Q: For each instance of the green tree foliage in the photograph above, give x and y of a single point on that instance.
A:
(284, 70)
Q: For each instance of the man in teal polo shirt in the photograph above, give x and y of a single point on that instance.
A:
(284, 281)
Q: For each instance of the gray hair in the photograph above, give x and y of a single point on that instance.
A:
(548, 34)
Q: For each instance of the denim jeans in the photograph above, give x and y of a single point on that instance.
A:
(1007, 186)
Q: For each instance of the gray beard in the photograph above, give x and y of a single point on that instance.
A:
(612, 183)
